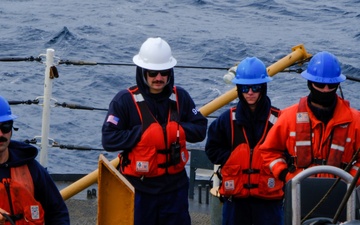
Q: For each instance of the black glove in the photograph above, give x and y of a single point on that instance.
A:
(283, 174)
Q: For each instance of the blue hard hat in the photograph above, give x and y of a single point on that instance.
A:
(251, 71)
(5, 111)
(324, 68)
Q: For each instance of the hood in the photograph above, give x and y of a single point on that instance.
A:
(244, 116)
(253, 122)
(20, 153)
(145, 90)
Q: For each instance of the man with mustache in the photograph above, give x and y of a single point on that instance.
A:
(27, 192)
(151, 123)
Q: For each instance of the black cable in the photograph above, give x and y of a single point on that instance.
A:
(69, 147)
(346, 197)
(347, 169)
(8, 218)
(353, 78)
(341, 92)
(27, 102)
(17, 59)
(77, 147)
(300, 70)
(75, 106)
(89, 63)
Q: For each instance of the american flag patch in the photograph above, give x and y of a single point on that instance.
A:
(112, 119)
(229, 185)
(142, 166)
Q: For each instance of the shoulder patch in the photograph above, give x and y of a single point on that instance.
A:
(112, 119)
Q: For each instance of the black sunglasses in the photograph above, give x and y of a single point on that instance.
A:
(154, 73)
(246, 88)
(322, 85)
(6, 127)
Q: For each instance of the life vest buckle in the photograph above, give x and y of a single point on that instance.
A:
(251, 171)
(250, 186)
(319, 161)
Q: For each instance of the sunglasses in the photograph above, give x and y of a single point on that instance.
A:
(154, 73)
(246, 88)
(6, 127)
(321, 85)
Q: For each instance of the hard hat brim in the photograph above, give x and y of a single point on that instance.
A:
(7, 118)
(251, 81)
(152, 66)
(324, 80)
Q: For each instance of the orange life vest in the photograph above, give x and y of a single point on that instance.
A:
(17, 198)
(243, 174)
(160, 150)
(304, 151)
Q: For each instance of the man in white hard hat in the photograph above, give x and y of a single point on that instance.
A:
(151, 123)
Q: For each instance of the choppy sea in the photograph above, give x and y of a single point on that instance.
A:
(212, 34)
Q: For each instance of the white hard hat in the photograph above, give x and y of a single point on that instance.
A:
(155, 54)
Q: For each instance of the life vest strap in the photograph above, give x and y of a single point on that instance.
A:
(319, 161)
(164, 151)
(251, 171)
(16, 217)
(250, 186)
(165, 165)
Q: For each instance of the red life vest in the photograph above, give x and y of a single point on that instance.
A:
(304, 152)
(243, 174)
(17, 198)
(160, 150)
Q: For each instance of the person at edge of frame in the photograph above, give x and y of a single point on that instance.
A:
(251, 195)
(151, 122)
(321, 129)
(28, 195)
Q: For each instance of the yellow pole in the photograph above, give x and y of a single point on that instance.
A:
(299, 53)
(83, 183)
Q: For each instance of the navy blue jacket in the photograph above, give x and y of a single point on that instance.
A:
(218, 146)
(127, 132)
(45, 190)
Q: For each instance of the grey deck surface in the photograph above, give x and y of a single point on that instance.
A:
(83, 210)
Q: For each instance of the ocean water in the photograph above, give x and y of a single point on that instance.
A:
(210, 34)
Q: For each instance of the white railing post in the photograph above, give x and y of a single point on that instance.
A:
(46, 109)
